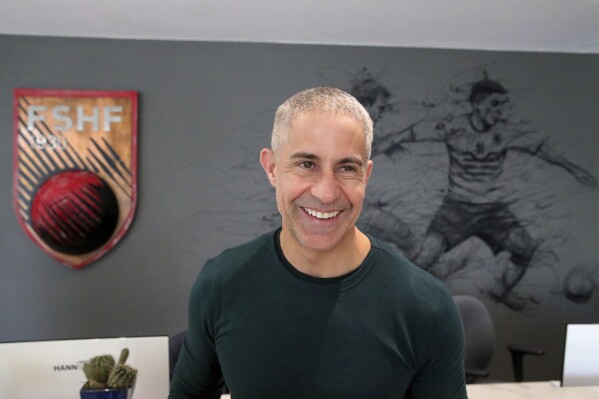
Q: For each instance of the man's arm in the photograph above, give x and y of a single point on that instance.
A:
(197, 374)
(442, 374)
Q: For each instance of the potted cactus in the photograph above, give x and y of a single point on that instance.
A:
(107, 380)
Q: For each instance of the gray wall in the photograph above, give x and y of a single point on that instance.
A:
(206, 110)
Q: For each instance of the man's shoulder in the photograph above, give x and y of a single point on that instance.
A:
(420, 298)
(404, 271)
(238, 257)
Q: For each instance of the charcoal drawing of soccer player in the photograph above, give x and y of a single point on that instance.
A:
(477, 143)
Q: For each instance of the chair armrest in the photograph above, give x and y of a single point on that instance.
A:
(474, 374)
(525, 351)
(518, 353)
(477, 372)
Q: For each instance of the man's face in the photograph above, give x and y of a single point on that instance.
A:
(320, 175)
(492, 108)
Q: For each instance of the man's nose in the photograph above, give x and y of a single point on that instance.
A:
(326, 188)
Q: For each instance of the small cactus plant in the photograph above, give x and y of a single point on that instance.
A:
(122, 376)
(102, 373)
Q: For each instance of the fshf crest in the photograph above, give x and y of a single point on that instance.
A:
(75, 170)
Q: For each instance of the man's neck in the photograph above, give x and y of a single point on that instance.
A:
(347, 256)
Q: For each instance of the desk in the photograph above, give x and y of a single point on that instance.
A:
(530, 390)
(524, 390)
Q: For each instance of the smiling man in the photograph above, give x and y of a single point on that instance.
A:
(317, 309)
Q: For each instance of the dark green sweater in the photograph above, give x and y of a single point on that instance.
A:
(386, 330)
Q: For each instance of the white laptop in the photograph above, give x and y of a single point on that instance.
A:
(581, 355)
(54, 369)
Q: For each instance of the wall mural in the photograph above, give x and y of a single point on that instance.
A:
(465, 186)
(475, 125)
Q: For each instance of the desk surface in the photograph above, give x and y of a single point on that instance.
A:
(525, 390)
(531, 390)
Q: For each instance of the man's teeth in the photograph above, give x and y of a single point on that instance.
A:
(321, 215)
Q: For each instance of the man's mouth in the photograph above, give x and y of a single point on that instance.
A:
(321, 215)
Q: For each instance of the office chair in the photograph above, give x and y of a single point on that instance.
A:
(479, 335)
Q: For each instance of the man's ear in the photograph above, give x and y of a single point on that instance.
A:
(267, 160)
(369, 166)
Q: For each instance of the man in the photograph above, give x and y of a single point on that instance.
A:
(317, 309)
(478, 143)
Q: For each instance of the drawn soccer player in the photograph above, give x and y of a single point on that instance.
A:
(474, 205)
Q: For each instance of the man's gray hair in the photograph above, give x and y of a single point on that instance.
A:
(327, 100)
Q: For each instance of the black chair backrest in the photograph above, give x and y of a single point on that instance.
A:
(479, 335)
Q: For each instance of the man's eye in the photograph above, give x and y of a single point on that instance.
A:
(348, 169)
(306, 164)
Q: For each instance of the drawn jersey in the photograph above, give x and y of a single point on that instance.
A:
(476, 159)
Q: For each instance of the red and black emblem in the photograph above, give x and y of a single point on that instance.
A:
(75, 170)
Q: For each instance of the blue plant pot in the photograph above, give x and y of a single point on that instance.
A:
(106, 393)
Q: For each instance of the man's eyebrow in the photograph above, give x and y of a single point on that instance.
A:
(355, 160)
(308, 155)
(303, 155)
